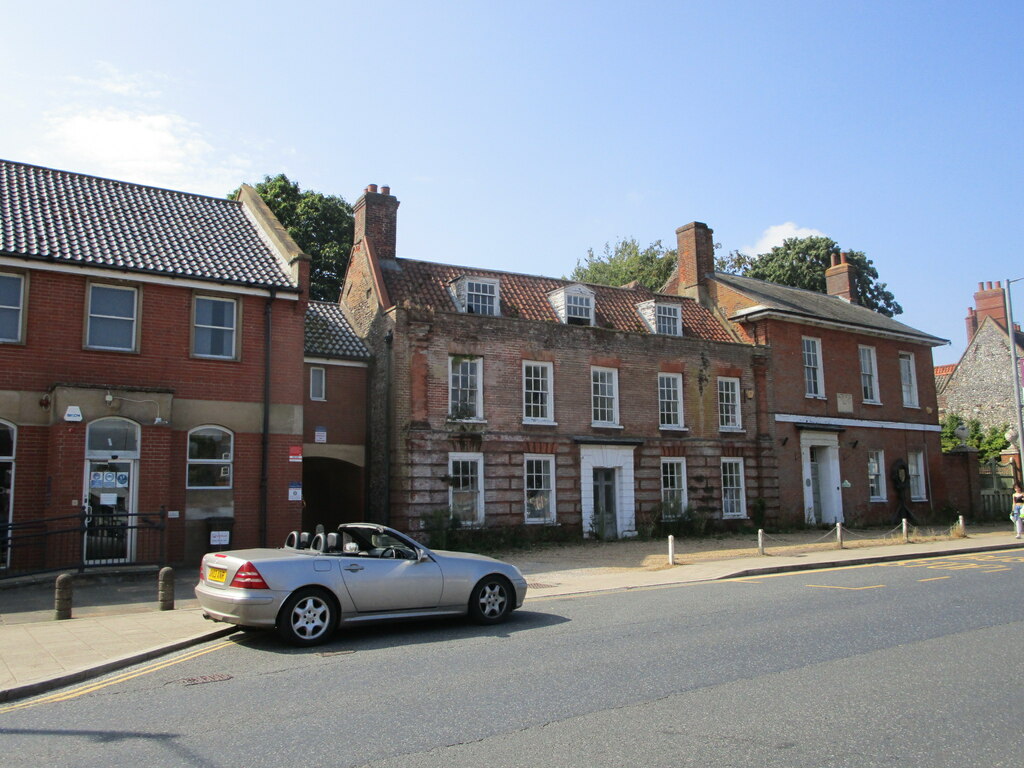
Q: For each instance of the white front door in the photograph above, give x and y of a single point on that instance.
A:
(823, 496)
(606, 491)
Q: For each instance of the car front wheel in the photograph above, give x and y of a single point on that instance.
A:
(492, 600)
(308, 617)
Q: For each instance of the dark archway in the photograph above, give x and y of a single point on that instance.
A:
(332, 491)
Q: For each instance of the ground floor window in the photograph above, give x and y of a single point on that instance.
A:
(6, 487)
(734, 503)
(466, 487)
(673, 488)
(915, 468)
(876, 486)
(539, 488)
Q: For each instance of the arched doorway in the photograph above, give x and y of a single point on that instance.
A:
(332, 493)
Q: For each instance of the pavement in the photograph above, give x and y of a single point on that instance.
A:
(116, 622)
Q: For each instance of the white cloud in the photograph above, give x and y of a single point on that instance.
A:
(112, 81)
(776, 234)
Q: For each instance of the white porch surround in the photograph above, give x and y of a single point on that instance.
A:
(829, 478)
(619, 458)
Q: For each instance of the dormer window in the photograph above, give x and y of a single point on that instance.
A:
(661, 318)
(667, 319)
(574, 304)
(478, 295)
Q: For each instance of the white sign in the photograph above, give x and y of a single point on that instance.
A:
(172, 514)
(73, 413)
(294, 491)
(220, 538)
(108, 499)
(320, 435)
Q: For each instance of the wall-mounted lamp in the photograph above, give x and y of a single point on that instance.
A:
(784, 440)
(44, 401)
(855, 443)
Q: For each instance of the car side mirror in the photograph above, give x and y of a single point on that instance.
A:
(421, 555)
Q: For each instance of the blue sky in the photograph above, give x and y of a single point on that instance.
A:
(518, 135)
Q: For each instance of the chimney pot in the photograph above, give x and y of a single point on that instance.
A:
(981, 286)
(385, 190)
(842, 257)
(372, 188)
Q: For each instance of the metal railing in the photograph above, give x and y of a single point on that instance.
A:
(81, 541)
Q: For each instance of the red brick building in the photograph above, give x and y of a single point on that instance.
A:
(853, 405)
(505, 399)
(150, 349)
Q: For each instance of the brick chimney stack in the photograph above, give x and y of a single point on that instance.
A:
(695, 262)
(841, 279)
(989, 301)
(376, 220)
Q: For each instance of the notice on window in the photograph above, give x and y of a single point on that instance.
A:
(108, 499)
(220, 538)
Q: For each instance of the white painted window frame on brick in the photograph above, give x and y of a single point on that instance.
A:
(539, 479)
(734, 489)
(224, 463)
(670, 401)
(916, 476)
(908, 380)
(604, 396)
(456, 477)
(317, 383)
(462, 408)
(814, 375)
(546, 408)
(876, 475)
(730, 410)
(98, 315)
(12, 316)
(673, 487)
(230, 331)
(868, 375)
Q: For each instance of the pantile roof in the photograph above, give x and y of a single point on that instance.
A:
(59, 216)
(328, 333)
(811, 305)
(425, 284)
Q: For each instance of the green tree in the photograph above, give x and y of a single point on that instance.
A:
(626, 262)
(801, 262)
(320, 224)
(989, 442)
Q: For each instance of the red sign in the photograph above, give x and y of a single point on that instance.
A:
(295, 453)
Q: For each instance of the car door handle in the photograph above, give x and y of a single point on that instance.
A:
(354, 567)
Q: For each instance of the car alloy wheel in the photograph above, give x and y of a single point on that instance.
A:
(308, 617)
(491, 600)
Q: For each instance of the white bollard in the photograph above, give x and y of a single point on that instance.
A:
(839, 535)
(963, 531)
(760, 541)
(671, 550)
(906, 531)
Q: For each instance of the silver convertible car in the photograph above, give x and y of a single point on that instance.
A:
(363, 572)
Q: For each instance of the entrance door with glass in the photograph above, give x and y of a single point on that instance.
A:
(605, 518)
(112, 451)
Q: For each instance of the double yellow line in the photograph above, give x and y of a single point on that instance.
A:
(81, 690)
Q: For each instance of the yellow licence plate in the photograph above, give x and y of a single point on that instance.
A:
(217, 574)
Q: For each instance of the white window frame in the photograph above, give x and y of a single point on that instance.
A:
(478, 460)
(877, 477)
(676, 491)
(908, 380)
(916, 476)
(318, 383)
(868, 375)
(233, 328)
(730, 408)
(734, 497)
(548, 404)
(575, 303)
(457, 407)
(547, 478)
(599, 378)
(670, 384)
(226, 461)
(668, 315)
(814, 375)
(472, 288)
(18, 309)
(97, 315)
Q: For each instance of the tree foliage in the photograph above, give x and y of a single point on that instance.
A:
(321, 225)
(989, 442)
(626, 262)
(801, 263)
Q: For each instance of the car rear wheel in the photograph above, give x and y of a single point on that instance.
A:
(492, 600)
(308, 617)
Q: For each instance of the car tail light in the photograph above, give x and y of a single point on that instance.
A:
(248, 577)
(201, 569)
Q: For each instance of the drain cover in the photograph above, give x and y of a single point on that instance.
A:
(215, 678)
(534, 585)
